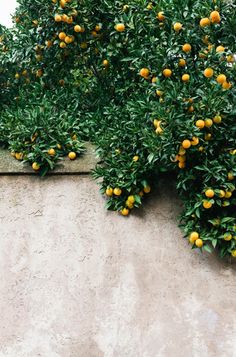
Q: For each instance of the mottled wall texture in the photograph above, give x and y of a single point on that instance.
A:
(77, 281)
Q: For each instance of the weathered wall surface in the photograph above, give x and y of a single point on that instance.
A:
(77, 281)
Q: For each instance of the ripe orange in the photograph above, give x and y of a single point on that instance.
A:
(109, 191)
(57, 18)
(182, 62)
(185, 77)
(125, 212)
(205, 22)
(160, 16)
(135, 158)
(221, 78)
(222, 194)
(159, 93)
(220, 49)
(131, 199)
(177, 26)
(228, 194)
(194, 236)
(209, 193)
(120, 27)
(187, 47)
(62, 36)
(51, 152)
(199, 243)
(35, 166)
(105, 63)
(117, 191)
(200, 124)
(181, 165)
(233, 253)
(19, 156)
(208, 123)
(215, 17)
(195, 141)
(72, 155)
(77, 28)
(144, 72)
(186, 144)
(207, 204)
(226, 85)
(69, 39)
(208, 73)
(167, 72)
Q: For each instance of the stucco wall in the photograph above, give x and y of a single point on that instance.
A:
(77, 281)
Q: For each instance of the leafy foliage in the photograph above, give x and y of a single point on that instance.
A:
(151, 84)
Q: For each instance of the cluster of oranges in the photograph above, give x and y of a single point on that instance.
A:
(130, 201)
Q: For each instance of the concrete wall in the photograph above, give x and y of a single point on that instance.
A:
(77, 281)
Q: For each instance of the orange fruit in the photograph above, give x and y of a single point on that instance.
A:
(160, 16)
(185, 77)
(68, 39)
(117, 191)
(228, 236)
(105, 63)
(51, 152)
(208, 73)
(194, 141)
(147, 189)
(177, 26)
(181, 165)
(35, 166)
(77, 28)
(208, 123)
(220, 49)
(62, 45)
(186, 47)
(62, 36)
(215, 17)
(135, 158)
(207, 204)
(221, 78)
(131, 199)
(228, 194)
(120, 27)
(217, 119)
(205, 22)
(233, 253)
(72, 155)
(159, 93)
(194, 236)
(199, 243)
(144, 72)
(222, 194)
(109, 191)
(167, 72)
(182, 62)
(125, 212)
(230, 176)
(200, 124)
(57, 18)
(209, 193)
(186, 144)
(226, 85)
(19, 156)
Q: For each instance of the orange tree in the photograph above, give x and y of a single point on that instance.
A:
(152, 84)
